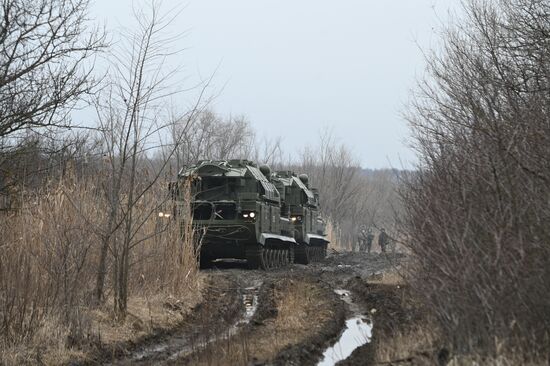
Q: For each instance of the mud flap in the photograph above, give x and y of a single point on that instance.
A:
(301, 254)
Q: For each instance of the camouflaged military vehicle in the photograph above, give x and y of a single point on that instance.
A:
(237, 211)
(301, 204)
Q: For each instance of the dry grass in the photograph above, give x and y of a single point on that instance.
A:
(421, 345)
(418, 340)
(301, 308)
(48, 266)
(509, 359)
(48, 346)
(403, 345)
(145, 314)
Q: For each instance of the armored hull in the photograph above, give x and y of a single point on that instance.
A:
(237, 214)
(301, 203)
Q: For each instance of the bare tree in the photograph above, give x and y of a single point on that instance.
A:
(335, 172)
(209, 136)
(269, 150)
(131, 120)
(476, 212)
(46, 50)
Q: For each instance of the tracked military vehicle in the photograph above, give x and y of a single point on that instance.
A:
(237, 211)
(300, 203)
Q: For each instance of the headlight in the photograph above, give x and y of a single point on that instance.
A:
(296, 218)
(249, 214)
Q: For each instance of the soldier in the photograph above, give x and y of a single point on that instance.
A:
(370, 239)
(383, 240)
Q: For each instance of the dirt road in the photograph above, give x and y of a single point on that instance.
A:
(300, 315)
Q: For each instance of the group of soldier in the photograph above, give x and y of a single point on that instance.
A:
(366, 238)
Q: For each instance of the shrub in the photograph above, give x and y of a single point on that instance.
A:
(477, 211)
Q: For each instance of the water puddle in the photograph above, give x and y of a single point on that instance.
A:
(357, 333)
(250, 304)
(159, 348)
(183, 344)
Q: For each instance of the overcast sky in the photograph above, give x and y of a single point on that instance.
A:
(296, 67)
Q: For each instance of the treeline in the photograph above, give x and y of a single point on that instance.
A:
(476, 215)
(351, 198)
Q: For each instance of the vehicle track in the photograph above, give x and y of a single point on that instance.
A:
(243, 310)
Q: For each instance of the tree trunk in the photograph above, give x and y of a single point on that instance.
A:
(101, 271)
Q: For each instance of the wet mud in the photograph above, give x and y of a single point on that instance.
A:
(247, 317)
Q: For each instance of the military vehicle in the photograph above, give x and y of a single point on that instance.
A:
(300, 203)
(237, 211)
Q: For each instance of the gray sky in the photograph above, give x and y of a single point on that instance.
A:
(296, 67)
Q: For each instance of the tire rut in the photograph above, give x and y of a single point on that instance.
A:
(242, 309)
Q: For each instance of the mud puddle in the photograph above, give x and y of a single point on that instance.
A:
(250, 304)
(183, 344)
(357, 332)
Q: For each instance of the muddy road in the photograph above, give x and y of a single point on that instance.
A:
(318, 314)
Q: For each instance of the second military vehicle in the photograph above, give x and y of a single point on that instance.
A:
(301, 205)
